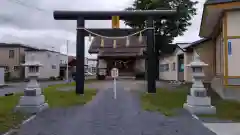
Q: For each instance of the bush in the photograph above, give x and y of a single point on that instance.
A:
(52, 78)
(101, 77)
(60, 78)
(140, 75)
(7, 76)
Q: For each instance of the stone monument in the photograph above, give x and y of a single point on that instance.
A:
(198, 102)
(33, 101)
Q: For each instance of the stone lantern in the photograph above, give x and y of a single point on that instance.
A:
(33, 101)
(198, 102)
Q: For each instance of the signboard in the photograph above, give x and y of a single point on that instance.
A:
(115, 22)
(114, 72)
(229, 48)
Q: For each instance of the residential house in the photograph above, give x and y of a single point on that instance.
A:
(92, 65)
(63, 65)
(51, 62)
(220, 22)
(173, 66)
(12, 55)
(218, 48)
(89, 64)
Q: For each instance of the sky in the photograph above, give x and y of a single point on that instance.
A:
(31, 22)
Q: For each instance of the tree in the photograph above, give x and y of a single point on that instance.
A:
(165, 27)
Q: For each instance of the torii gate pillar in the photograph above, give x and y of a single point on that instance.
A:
(81, 16)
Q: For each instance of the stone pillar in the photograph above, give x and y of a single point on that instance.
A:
(198, 102)
(33, 101)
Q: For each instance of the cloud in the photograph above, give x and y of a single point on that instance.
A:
(31, 21)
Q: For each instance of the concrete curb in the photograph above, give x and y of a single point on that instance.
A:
(13, 131)
(196, 117)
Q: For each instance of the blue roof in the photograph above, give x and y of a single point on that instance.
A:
(220, 1)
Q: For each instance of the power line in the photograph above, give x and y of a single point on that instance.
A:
(2, 19)
(29, 6)
(25, 5)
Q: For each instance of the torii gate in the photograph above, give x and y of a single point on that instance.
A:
(81, 16)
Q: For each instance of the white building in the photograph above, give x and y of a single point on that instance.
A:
(63, 59)
(50, 60)
(91, 65)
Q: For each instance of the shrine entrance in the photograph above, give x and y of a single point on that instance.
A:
(81, 16)
(125, 66)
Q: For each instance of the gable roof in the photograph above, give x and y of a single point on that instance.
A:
(196, 43)
(185, 47)
(43, 50)
(7, 45)
(169, 49)
(208, 2)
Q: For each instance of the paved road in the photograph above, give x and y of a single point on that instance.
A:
(108, 116)
(19, 87)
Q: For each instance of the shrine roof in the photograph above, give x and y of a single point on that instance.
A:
(134, 45)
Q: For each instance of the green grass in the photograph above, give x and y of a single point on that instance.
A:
(57, 98)
(225, 110)
(10, 119)
(164, 101)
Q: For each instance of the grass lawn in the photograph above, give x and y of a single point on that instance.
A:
(226, 109)
(10, 119)
(57, 98)
(166, 101)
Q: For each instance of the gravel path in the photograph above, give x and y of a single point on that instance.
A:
(108, 116)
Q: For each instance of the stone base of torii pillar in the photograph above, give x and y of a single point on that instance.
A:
(198, 102)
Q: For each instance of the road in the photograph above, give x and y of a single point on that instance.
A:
(19, 87)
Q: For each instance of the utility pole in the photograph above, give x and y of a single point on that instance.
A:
(67, 63)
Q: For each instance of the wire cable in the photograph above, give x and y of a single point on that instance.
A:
(120, 37)
(29, 6)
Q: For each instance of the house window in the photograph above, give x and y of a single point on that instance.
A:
(85, 68)
(164, 67)
(11, 53)
(94, 69)
(16, 68)
(173, 66)
(6, 69)
(49, 55)
(54, 67)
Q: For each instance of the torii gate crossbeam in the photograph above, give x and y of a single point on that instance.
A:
(81, 16)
